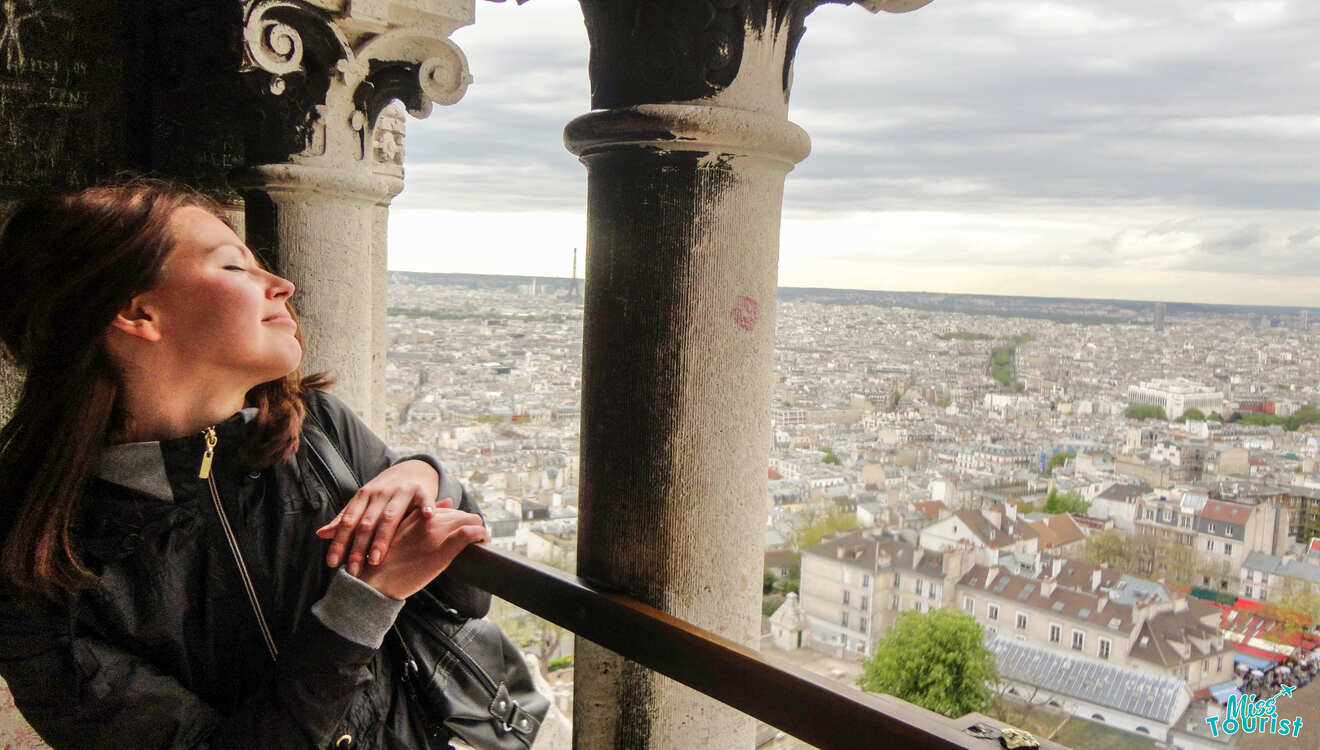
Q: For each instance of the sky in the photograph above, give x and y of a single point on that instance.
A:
(1131, 149)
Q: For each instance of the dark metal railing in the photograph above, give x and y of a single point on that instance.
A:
(794, 701)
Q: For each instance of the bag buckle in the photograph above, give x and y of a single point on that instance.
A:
(511, 716)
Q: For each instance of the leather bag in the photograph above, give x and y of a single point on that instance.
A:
(464, 671)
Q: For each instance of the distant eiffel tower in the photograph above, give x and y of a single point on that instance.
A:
(573, 289)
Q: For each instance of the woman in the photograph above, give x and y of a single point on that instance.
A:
(163, 524)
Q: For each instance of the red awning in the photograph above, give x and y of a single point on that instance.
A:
(1261, 653)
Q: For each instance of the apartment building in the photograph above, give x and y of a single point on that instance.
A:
(1272, 578)
(1097, 613)
(1222, 533)
(855, 584)
(995, 526)
(1176, 396)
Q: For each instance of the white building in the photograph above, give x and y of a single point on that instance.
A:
(1176, 396)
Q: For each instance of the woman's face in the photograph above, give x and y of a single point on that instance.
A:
(218, 309)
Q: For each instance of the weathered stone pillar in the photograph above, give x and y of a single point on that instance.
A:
(686, 157)
(320, 183)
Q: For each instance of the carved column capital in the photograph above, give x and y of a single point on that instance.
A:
(657, 51)
(326, 68)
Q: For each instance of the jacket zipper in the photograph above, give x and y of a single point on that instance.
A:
(205, 473)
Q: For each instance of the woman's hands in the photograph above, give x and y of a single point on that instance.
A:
(423, 547)
(373, 516)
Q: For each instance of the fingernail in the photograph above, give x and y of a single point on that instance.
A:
(353, 569)
(332, 560)
(375, 558)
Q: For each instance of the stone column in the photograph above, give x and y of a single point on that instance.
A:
(320, 181)
(686, 155)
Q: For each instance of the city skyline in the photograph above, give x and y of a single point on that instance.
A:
(785, 289)
(1075, 149)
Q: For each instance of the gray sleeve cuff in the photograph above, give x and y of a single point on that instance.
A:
(356, 611)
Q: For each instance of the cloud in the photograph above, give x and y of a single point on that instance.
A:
(1177, 135)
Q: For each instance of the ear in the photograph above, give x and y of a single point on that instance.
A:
(137, 319)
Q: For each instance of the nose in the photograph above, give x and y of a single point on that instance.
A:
(280, 287)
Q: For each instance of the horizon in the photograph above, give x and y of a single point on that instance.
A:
(1097, 300)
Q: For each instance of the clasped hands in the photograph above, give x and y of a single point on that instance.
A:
(401, 536)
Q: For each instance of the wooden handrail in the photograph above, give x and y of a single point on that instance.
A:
(794, 701)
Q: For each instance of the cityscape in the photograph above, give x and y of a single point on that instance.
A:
(1122, 494)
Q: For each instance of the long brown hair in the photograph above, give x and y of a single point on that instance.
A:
(70, 264)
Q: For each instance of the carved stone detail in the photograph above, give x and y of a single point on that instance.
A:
(388, 141)
(658, 51)
(341, 68)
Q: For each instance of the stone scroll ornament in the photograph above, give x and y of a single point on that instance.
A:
(654, 51)
(319, 69)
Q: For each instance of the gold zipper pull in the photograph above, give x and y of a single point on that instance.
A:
(211, 440)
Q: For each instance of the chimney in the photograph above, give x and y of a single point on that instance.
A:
(1047, 587)
(841, 552)
(916, 556)
(1010, 512)
(1056, 565)
(990, 575)
(1095, 579)
(1100, 603)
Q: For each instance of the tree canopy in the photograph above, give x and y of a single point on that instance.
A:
(1308, 414)
(1193, 414)
(1147, 557)
(1145, 411)
(1057, 460)
(810, 535)
(936, 660)
(1057, 502)
(1064, 502)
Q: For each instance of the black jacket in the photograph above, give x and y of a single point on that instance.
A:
(164, 651)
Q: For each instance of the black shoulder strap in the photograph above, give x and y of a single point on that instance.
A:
(330, 458)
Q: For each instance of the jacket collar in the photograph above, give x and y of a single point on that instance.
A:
(141, 466)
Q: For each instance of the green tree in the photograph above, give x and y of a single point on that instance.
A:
(768, 582)
(1112, 549)
(1193, 414)
(830, 458)
(1297, 596)
(936, 660)
(1215, 417)
(810, 535)
(1064, 502)
(1306, 415)
(1057, 460)
(1145, 411)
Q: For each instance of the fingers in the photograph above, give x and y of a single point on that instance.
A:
(346, 522)
(458, 539)
(365, 529)
(328, 530)
(382, 511)
(386, 524)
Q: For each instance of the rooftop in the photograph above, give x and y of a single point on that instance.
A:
(1131, 691)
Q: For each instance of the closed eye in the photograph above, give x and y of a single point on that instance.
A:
(235, 268)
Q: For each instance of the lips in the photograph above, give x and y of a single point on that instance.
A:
(280, 318)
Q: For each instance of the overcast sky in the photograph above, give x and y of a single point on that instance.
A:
(1141, 149)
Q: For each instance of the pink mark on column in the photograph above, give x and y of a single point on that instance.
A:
(746, 313)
